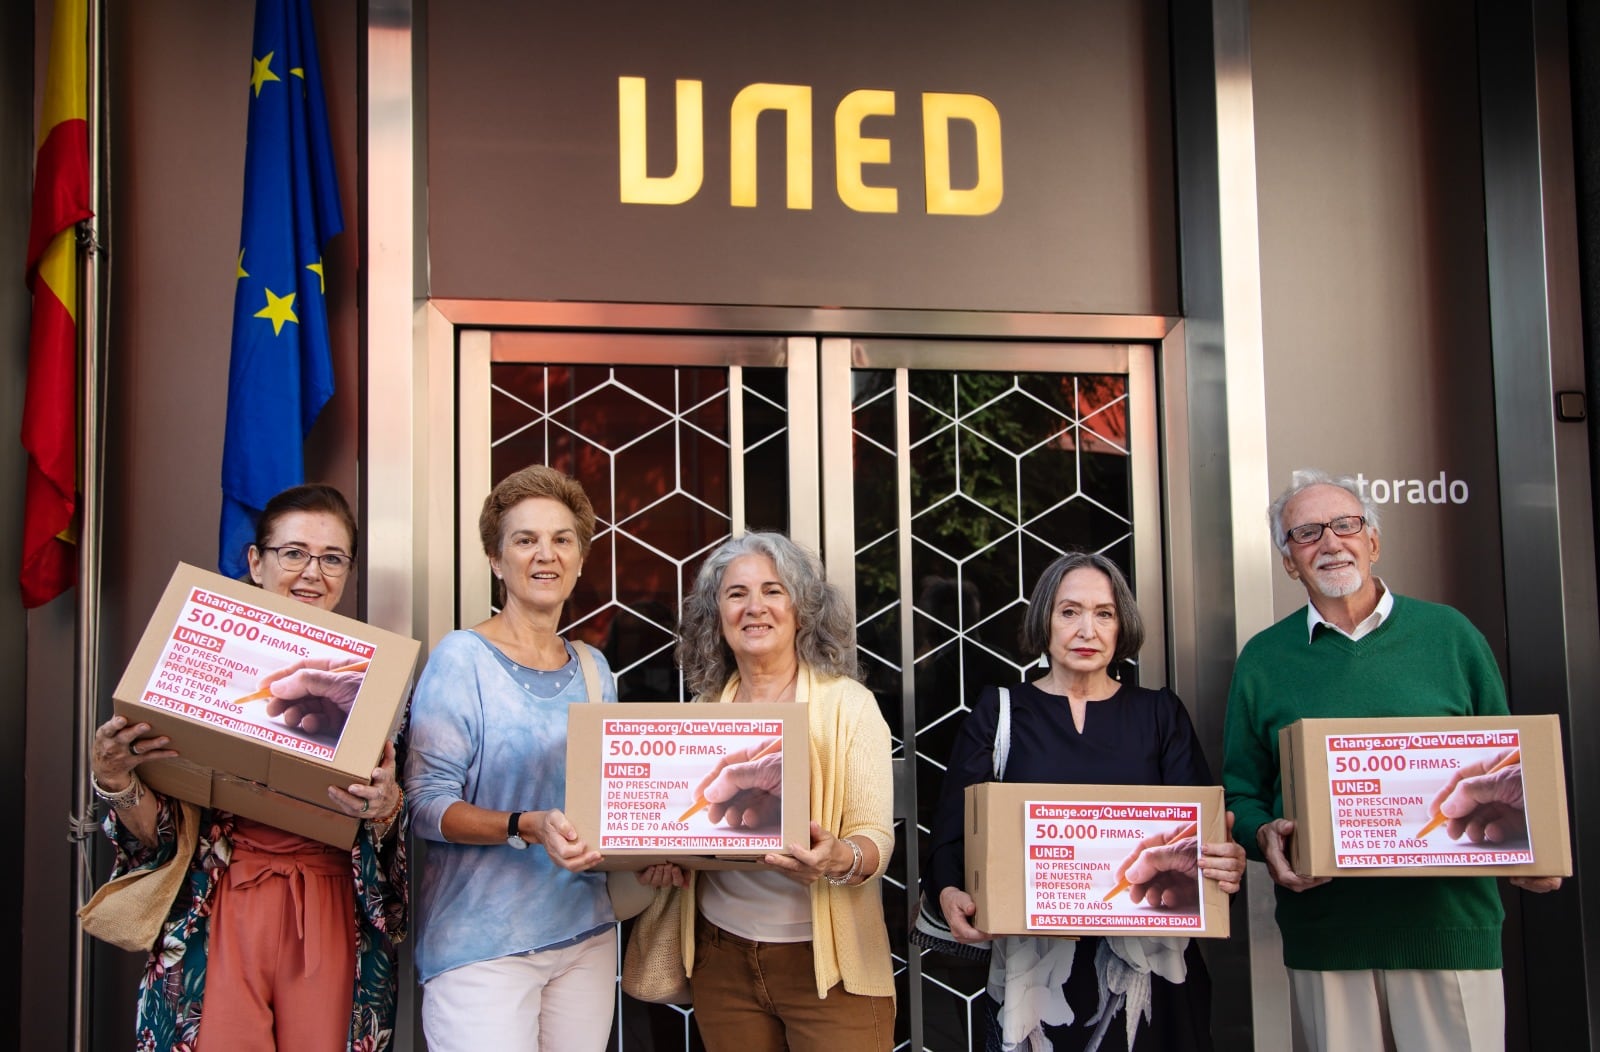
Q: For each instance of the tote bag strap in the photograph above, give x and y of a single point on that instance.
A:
(591, 675)
(1002, 735)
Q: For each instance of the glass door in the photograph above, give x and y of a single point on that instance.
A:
(936, 478)
(953, 473)
(680, 442)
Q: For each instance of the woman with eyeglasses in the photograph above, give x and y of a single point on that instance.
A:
(274, 941)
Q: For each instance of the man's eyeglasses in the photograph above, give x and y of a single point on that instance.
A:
(295, 559)
(1343, 526)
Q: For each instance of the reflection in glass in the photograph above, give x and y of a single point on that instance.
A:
(1007, 471)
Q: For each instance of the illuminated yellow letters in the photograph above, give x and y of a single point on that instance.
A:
(938, 110)
(749, 104)
(854, 150)
(639, 187)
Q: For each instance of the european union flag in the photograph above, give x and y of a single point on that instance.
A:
(281, 372)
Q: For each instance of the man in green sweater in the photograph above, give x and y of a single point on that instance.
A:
(1411, 963)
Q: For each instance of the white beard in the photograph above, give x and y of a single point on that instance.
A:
(1337, 584)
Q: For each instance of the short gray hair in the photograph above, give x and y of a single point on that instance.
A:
(1302, 480)
(825, 627)
(1034, 634)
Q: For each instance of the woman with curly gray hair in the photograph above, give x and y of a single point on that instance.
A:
(825, 636)
(796, 955)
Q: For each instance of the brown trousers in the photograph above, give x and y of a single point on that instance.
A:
(762, 997)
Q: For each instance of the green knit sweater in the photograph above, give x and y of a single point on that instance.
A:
(1424, 660)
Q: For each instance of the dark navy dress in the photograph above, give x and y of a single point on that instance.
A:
(1135, 737)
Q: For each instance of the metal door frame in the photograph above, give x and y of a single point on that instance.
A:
(413, 550)
(480, 348)
(840, 356)
(820, 371)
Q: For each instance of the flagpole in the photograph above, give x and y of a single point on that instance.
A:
(93, 305)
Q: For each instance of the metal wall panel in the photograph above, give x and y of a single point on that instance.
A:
(1545, 503)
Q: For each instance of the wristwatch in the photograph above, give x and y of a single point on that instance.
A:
(513, 837)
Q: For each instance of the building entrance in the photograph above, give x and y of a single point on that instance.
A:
(936, 478)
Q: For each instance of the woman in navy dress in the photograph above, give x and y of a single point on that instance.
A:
(1077, 724)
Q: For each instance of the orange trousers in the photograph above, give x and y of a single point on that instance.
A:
(281, 965)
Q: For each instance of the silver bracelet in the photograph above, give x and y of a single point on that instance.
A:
(123, 800)
(855, 865)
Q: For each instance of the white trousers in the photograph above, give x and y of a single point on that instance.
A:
(560, 1000)
(1398, 1011)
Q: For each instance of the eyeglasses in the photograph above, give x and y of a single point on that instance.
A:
(295, 559)
(1343, 526)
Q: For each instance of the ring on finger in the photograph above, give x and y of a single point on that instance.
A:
(365, 806)
(133, 747)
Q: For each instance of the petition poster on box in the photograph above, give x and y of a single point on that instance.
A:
(251, 671)
(1113, 865)
(1394, 795)
(655, 774)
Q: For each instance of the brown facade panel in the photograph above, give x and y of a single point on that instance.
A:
(1374, 282)
(178, 76)
(1054, 118)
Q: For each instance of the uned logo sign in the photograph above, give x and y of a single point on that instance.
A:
(852, 149)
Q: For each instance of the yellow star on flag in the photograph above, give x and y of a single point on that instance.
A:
(322, 281)
(242, 272)
(278, 310)
(296, 71)
(262, 72)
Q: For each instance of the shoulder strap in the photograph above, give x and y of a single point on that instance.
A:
(1002, 735)
(591, 675)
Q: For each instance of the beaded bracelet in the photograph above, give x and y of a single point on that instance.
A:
(383, 825)
(855, 865)
(123, 799)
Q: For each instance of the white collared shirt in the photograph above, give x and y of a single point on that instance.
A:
(1371, 621)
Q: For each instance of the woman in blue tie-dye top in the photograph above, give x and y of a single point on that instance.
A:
(513, 951)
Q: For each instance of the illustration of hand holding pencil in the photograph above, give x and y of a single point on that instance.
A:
(313, 695)
(1163, 870)
(1482, 800)
(745, 789)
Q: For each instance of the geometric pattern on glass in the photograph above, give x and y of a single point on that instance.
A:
(878, 611)
(1007, 471)
(650, 445)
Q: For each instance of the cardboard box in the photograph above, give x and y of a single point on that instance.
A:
(195, 677)
(1361, 793)
(633, 771)
(1068, 841)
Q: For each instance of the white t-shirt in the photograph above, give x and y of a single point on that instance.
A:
(762, 906)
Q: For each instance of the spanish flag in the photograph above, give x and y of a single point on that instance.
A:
(50, 417)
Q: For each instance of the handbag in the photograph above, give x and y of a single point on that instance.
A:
(929, 931)
(652, 965)
(129, 912)
(628, 897)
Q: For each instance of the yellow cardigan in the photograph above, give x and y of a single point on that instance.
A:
(852, 794)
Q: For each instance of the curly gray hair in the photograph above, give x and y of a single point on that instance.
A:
(1302, 480)
(825, 628)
